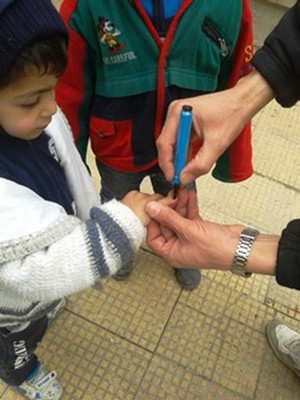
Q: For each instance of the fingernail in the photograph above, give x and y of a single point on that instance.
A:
(153, 208)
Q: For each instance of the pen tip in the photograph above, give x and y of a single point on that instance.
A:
(175, 191)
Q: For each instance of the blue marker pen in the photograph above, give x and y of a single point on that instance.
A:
(183, 138)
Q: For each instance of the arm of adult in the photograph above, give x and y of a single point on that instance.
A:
(279, 59)
(74, 90)
(219, 117)
(182, 237)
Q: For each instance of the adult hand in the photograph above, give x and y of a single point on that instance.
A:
(182, 237)
(218, 119)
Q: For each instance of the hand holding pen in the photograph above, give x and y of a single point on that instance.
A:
(183, 139)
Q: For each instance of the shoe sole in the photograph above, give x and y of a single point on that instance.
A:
(120, 278)
(188, 287)
(285, 359)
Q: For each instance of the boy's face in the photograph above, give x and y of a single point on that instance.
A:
(27, 105)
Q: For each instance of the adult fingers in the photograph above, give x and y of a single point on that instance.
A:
(165, 216)
(167, 141)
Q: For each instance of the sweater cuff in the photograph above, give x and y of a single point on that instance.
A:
(288, 256)
(126, 218)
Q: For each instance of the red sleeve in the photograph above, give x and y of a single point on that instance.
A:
(240, 151)
(235, 164)
(70, 90)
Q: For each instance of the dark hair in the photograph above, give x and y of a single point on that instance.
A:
(48, 55)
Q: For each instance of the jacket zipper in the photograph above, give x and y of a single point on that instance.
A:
(213, 33)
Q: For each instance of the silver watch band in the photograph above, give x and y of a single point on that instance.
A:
(247, 237)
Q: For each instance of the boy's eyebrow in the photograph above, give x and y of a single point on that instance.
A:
(35, 92)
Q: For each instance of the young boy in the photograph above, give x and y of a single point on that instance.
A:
(127, 61)
(54, 237)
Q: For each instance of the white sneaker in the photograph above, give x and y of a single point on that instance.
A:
(285, 343)
(41, 386)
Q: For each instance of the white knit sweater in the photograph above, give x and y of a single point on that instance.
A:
(46, 254)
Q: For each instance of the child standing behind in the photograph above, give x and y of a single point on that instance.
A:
(55, 239)
(127, 61)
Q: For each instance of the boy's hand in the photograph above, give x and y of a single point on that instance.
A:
(137, 202)
(182, 237)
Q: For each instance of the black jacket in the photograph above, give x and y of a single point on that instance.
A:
(279, 63)
(279, 59)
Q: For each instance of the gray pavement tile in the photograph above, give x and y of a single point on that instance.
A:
(222, 301)
(255, 287)
(91, 362)
(276, 142)
(219, 349)
(240, 360)
(258, 202)
(166, 380)
(192, 340)
(284, 300)
(137, 309)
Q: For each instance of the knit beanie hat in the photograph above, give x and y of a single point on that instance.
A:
(22, 21)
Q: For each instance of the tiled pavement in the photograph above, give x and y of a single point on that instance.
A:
(147, 339)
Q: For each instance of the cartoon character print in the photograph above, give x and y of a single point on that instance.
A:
(108, 33)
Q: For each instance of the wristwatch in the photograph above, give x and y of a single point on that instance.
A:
(247, 237)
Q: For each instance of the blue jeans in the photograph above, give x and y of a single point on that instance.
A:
(115, 184)
(15, 344)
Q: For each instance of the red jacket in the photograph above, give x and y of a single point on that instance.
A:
(121, 76)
